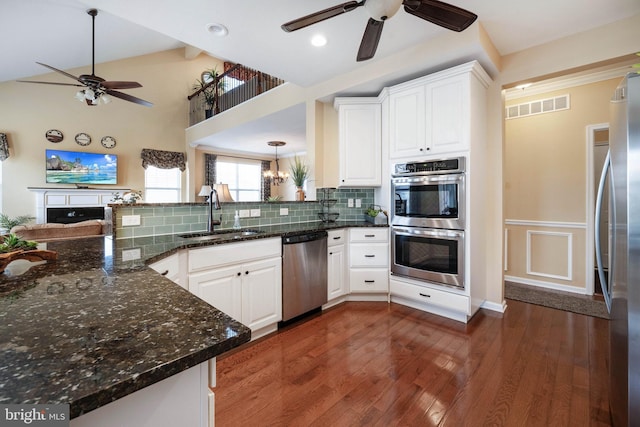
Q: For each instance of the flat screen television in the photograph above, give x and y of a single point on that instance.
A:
(74, 167)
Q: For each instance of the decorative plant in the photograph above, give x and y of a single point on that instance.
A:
(372, 211)
(12, 243)
(209, 92)
(8, 223)
(299, 171)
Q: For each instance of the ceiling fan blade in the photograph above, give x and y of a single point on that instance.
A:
(120, 85)
(129, 98)
(443, 14)
(50, 83)
(58, 71)
(316, 17)
(370, 39)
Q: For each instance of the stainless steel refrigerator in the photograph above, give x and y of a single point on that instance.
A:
(622, 289)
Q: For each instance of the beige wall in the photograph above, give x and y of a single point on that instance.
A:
(29, 110)
(545, 187)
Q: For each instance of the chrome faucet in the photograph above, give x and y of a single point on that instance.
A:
(213, 204)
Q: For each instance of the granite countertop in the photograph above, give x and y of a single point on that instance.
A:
(87, 330)
(96, 325)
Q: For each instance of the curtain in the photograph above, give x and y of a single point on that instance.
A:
(210, 169)
(163, 159)
(266, 186)
(4, 147)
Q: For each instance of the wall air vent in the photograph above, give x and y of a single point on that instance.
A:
(540, 106)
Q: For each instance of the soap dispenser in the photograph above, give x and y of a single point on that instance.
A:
(236, 222)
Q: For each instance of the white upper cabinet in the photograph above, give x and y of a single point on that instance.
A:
(432, 115)
(360, 142)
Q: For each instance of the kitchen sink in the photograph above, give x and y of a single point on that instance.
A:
(219, 235)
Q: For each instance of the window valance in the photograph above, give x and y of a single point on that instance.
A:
(4, 147)
(163, 159)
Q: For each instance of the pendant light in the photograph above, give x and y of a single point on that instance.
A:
(276, 177)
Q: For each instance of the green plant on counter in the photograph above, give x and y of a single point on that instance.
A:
(11, 243)
(7, 223)
(299, 171)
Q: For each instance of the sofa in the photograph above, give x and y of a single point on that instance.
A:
(54, 231)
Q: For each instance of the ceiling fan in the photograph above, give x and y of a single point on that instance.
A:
(95, 88)
(437, 12)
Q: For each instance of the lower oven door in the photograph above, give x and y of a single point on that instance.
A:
(434, 255)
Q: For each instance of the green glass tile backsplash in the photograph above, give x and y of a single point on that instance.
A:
(158, 219)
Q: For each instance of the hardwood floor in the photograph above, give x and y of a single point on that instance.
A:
(376, 364)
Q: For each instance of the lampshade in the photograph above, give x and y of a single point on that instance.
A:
(223, 193)
(205, 190)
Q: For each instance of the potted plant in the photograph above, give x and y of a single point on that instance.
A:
(299, 174)
(7, 223)
(210, 92)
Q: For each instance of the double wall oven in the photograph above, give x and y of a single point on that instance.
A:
(428, 221)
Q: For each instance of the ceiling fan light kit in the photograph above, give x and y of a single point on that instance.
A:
(95, 89)
(443, 14)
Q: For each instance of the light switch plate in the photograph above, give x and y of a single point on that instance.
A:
(284, 211)
(255, 213)
(350, 203)
(129, 220)
(358, 203)
(244, 213)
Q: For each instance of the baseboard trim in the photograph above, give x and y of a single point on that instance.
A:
(494, 306)
(546, 285)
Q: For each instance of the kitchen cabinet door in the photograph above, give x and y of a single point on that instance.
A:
(360, 142)
(407, 123)
(447, 114)
(336, 268)
(262, 293)
(222, 288)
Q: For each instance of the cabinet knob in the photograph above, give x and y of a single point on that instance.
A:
(422, 149)
(239, 273)
(246, 272)
(428, 148)
(330, 253)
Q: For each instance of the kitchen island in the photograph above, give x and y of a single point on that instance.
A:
(90, 328)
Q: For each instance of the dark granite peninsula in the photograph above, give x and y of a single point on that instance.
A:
(90, 329)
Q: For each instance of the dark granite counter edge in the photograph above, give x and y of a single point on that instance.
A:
(110, 394)
(187, 244)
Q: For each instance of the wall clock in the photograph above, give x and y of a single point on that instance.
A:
(83, 139)
(108, 142)
(54, 135)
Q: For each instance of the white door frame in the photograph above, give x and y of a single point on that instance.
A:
(593, 178)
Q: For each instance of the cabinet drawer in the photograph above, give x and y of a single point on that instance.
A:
(336, 237)
(373, 255)
(423, 294)
(369, 280)
(369, 234)
(233, 253)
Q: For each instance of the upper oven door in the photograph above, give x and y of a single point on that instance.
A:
(431, 201)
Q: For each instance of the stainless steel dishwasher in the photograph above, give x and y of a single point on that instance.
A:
(304, 273)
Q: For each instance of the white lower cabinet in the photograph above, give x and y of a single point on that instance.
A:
(170, 267)
(243, 280)
(369, 260)
(336, 265)
(443, 302)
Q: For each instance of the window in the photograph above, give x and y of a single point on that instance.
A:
(243, 176)
(162, 185)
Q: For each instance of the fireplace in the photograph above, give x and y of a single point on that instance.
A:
(73, 215)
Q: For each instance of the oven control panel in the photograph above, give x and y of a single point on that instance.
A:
(453, 165)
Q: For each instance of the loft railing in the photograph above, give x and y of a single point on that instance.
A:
(235, 86)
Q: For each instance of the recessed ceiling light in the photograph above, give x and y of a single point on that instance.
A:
(318, 40)
(217, 29)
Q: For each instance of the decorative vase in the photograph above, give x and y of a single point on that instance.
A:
(299, 194)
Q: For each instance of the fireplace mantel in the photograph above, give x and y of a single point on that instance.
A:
(51, 197)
